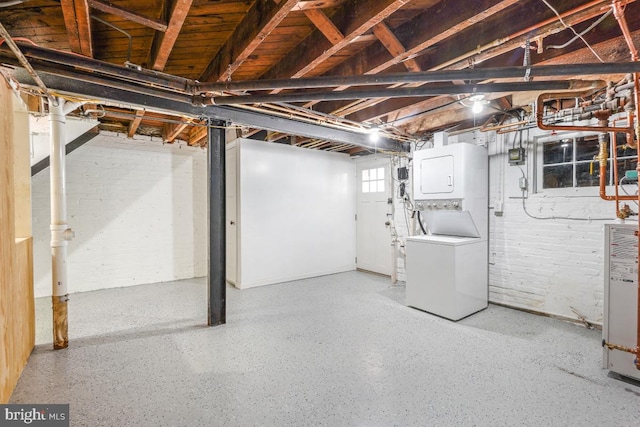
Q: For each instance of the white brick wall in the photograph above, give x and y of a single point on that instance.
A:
(554, 266)
(138, 209)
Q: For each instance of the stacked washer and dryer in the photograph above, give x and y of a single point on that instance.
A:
(447, 269)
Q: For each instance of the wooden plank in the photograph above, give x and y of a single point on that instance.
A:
(261, 19)
(135, 123)
(78, 24)
(394, 46)
(325, 25)
(17, 318)
(355, 17)
(128, 14)
(163, 42)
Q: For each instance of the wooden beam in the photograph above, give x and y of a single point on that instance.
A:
(163, 42)
(170, 131)
(78, 24)
(197, 135)
(325, 25)
(445, 21)
(394, 46)
(541, 29)
(456, 22)
(133, 126)
(128, 14)
(261, 19)
(317, 4)
(354, 17)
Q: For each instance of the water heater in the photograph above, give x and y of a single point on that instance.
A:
(620, 297)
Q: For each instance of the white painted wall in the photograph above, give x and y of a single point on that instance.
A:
(40, 141)
(138, 209)
(297, 210)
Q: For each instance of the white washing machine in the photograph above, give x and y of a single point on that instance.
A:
(447, 275)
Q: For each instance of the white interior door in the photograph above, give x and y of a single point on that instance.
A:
(231, 190)
(373, 185)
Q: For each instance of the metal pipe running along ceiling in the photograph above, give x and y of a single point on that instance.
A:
(469, 74)
(405, 92)
(128, 94)
(190, 87)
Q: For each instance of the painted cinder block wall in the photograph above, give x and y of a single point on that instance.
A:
(138, 208)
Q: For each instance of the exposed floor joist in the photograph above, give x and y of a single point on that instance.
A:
(261, 19)
(164, 41)
(78, 24)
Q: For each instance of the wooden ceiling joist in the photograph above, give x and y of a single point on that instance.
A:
(261, 19)
(163, 42)
(355, 17)
(197, 135)
(128, 14)
(135, 123)
(325, 25)
(394, 46)
(171, 131)
(78, 24)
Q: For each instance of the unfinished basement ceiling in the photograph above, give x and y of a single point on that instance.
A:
(231, 41)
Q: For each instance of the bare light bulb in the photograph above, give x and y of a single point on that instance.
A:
(477, 107)
(374, 135)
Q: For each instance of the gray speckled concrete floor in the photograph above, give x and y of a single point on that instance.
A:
(338, 350)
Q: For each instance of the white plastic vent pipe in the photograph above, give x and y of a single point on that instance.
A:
(61, 234)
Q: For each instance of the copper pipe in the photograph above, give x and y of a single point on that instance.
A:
(618, 347)
(559, 95)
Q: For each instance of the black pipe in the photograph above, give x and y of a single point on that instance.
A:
(473, 74)
(217, 278)
(156, 78)
(392, 93)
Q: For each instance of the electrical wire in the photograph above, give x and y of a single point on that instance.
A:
(626, 192)
(524, 208)
(572, 29)
(591, 27)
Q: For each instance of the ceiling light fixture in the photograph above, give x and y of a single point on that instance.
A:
(374, 134)
(478, 103)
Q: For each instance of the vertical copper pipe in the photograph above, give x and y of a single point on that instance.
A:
(614, 159)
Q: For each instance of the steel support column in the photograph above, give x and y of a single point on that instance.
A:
(217, 281)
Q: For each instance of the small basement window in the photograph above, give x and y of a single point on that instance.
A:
(373, 180)
(569, 162)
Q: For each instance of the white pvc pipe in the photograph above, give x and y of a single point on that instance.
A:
(58, 197)
(60, 231)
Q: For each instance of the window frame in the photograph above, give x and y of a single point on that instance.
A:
(538, 166)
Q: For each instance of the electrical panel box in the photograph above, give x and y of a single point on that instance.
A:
(516, 156)
(620, 298)
(403, 173)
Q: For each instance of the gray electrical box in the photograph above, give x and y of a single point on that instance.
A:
(516, 156)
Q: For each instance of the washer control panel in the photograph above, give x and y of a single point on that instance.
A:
(435, 205)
